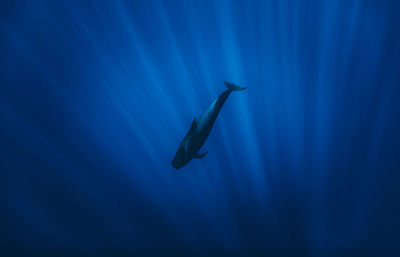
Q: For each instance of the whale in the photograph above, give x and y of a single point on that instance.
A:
(200, 129)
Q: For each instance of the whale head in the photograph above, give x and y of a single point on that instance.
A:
(181, 157)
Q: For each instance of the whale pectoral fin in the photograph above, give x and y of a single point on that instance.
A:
(199, 156)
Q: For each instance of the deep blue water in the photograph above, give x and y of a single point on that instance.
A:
(97, 95)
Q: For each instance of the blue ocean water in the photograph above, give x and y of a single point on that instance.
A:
(97, 95)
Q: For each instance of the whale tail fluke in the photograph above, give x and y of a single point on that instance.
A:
(233, 87)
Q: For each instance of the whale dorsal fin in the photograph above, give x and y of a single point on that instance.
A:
(193, 126)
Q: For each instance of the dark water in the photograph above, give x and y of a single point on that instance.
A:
(97, 95)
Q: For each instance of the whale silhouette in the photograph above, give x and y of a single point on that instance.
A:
(200, 129)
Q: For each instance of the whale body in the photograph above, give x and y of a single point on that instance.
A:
(200, 129)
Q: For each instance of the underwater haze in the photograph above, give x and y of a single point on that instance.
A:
(96, 96)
